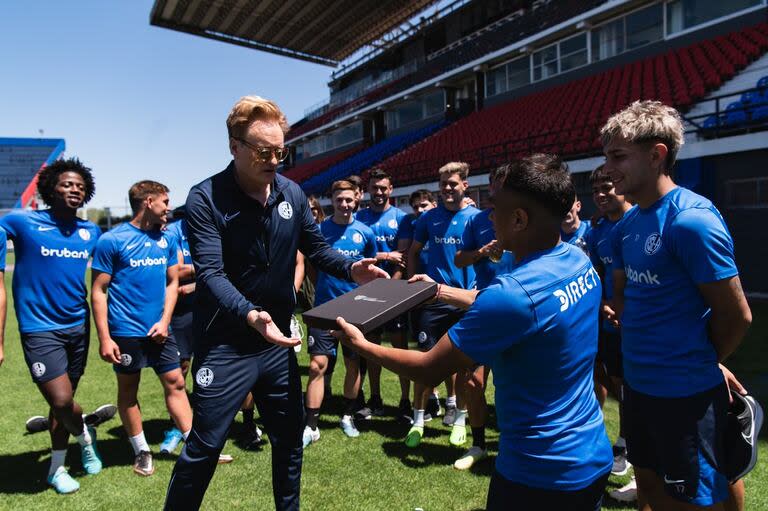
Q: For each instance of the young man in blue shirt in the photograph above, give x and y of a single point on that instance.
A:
(52, 249)
(480, 249)
(682, 310)
(441, 227)
(351, 238)
(135, 287)
(573, 230)
(385, 220)
(536, 326)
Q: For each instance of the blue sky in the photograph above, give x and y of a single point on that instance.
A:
(131, 100)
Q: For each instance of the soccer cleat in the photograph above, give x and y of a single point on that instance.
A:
(142, 464)
(405, 412)
(252, 438)
(744, 421)
(100, 415)
(173, 438)
(90, 456)
(472, 456)
(413, 439)
(225, 458)
(62, 482)
(433, 407)
(621, 464)
(37, 424)
(373, 407)
(450, 416)
(348, 427)
(458, 435)
(310, 436)
(364, 413)
(627, 493)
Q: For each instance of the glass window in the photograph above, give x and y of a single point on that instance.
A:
(518, 73)
(683, 14)
(434, 103)
(495, 81)
(573, 52)
(608, 40)
(645, 26)
(545, 63)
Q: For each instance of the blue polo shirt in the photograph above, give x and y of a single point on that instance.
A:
(478, 233)
(49, 290)
(666, 250)
(536, 327)
(138, 262)
(443, 230)
(356, 241)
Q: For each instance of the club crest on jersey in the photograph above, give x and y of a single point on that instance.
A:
(357, 237)
(204, 377)
(162, 243)
(652, 243)
(84, 234)
(392, 223)
(285, 210)
(422, 337)
(125, 360)
(38, 369)
(310, 341)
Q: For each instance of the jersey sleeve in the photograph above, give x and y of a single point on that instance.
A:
(484, 332)
(420, 231)
(591, 239)
(468, 238)
(701, 242)
(11, 224)
(104, 255)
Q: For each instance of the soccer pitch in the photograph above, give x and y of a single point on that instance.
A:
(374, 471)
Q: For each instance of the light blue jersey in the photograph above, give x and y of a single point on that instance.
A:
(479, 232)
(49, 276)
(178, 230)
(138, 262)
(578, 236)
(536, 327)
(443, 229)
(355, 240)
(666, 251)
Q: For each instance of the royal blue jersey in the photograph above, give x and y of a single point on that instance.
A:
(385, 226)
(3, 249)
(599, 247)
(178, 230)
(406, 233)
(536, 327)
(443, 230)
(49, 276)
(138, 262)
(576, 237)
(666, 250)
(355, 240)
(479, 232)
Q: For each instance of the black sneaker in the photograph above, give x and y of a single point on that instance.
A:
(450, 416)
(745, 418)
(100, 415)
(37, 424)
(376, 405)
(142, 464)
(405, 412)
(433, 407)
(251, 439)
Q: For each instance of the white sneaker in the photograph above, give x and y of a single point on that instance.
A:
(472, 456)
(627, 493)
(310, 436)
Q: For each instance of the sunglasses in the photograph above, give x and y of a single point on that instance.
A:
(264, 154)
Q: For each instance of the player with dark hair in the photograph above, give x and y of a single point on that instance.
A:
(536, 327)
(134, 291)
(52, 249)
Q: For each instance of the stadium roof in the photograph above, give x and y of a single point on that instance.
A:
(320, 31)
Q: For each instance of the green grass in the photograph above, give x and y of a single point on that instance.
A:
(375, 471)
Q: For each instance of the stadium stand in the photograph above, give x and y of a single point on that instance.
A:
(20, 161)
(367, 158)
(303, 170)
(566, 118)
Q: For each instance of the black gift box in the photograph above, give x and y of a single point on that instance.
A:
(371, 305)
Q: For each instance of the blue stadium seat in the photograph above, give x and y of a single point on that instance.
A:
(760, 113)
(711, 122)
(735, 114)
(762, 83)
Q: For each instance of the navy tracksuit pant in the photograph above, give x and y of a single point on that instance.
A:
(223, 377)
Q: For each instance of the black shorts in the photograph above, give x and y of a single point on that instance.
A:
(51, 354)
(682, 439)
(320, 342)
(504, 494)
(609, 353)
(136, 353)
(183, 331)
(433, 321)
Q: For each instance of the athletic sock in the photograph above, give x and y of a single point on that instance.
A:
(313, 415)
(450, 401)
(478, 436)
(57, 460)
(461, 418)
(350, 405)
(185, 434)
(418, 418)
(84, 438)
(139, 443)
(248, 416)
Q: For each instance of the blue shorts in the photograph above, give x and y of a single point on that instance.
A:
(136, 353)
(433, 321)
(320, 342)
(183, 332)
(682, 440)
(51, 354)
